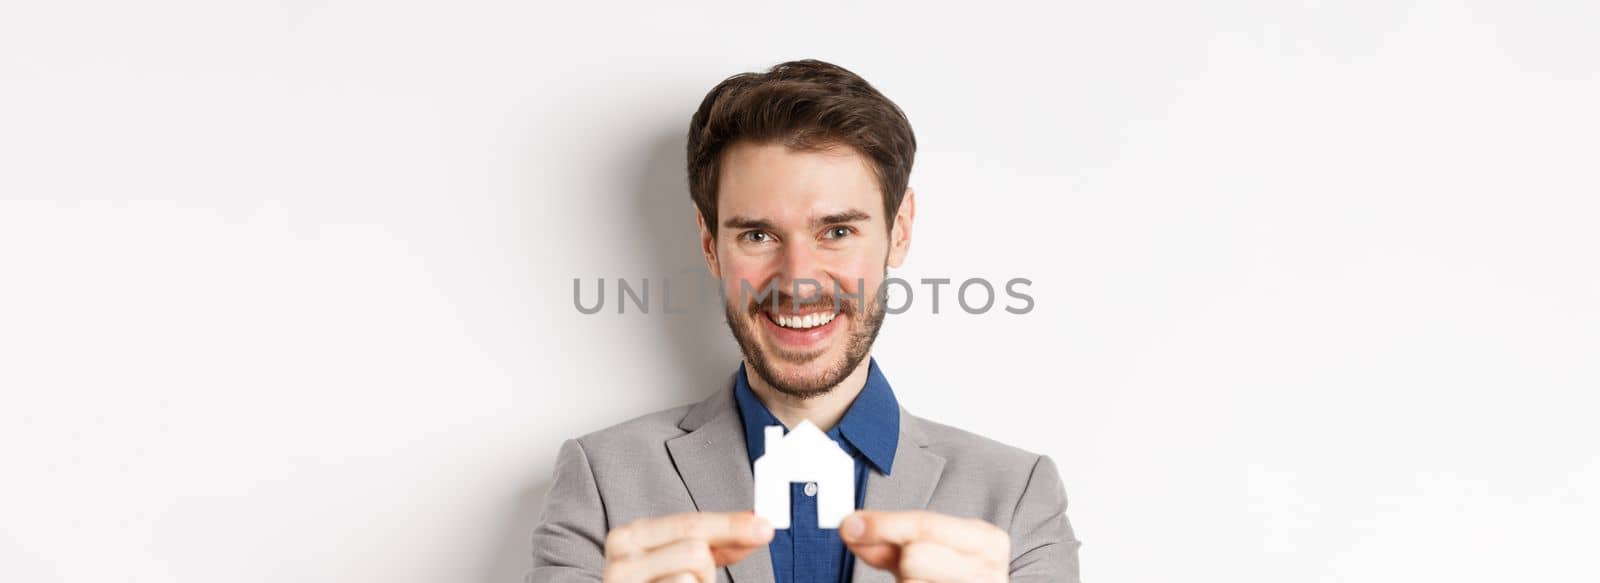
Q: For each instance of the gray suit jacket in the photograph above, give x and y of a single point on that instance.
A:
(693, 458)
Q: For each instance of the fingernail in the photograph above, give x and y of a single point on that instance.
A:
(760, 528)
(853, 527)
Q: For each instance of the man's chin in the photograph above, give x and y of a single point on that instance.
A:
(798, 371)
(801, 375)
(804, 386)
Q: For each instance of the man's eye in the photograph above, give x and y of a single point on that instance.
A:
(757, 236)
(839, 232)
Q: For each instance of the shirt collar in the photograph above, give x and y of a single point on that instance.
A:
(871, 425)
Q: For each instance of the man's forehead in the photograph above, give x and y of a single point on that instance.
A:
(773, 183)
(777, 167)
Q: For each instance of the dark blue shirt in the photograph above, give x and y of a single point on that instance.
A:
(869, 432)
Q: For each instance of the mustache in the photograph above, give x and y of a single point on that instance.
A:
(778, 302)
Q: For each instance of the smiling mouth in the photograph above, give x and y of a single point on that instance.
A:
(802, 321)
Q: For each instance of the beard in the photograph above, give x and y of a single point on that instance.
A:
(858, 342)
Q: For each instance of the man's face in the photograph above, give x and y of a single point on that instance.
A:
(810, 217)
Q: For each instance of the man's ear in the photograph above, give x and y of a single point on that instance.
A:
(708, 245)
(900, 235)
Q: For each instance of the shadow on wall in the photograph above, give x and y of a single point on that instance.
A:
(661, 220)
(697, 340)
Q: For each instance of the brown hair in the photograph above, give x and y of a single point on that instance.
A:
(805, 105)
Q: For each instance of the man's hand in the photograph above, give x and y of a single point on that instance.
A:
(683, 547)
(927, 546)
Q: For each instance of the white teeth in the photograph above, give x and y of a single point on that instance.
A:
(804, 322)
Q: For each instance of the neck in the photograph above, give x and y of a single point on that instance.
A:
(824, 411)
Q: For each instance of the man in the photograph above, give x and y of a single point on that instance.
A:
(800, 179)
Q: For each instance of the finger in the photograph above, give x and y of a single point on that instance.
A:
(906, 527)
(880, 555)
(730, 554)
(937, 563)
(686, 556)
(715, 528)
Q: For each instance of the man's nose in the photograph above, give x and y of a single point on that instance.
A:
(802, 266)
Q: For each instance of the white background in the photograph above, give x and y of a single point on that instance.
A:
(286, 287)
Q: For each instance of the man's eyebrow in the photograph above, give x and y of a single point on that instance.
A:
(737, 222)
(849, 216)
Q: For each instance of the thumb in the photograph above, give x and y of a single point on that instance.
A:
(880, 555)
(728, 555)
(884, 556)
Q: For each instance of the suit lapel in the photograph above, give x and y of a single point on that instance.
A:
(715, 467)
(910, 486)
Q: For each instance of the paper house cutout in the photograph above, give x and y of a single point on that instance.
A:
(804, 455)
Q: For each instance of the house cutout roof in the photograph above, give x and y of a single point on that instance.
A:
(803, 455)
